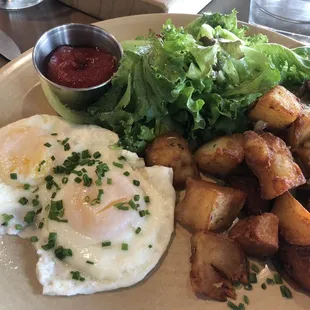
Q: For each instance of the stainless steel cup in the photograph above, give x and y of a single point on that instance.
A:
(75, 99)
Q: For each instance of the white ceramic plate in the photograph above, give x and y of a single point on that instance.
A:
(168, 286)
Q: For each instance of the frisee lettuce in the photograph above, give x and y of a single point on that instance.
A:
(198, 80)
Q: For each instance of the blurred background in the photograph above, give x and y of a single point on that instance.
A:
(25, 26)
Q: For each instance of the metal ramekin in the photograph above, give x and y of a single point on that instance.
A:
(74, 35)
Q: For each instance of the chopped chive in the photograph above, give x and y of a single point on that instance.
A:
(51, 241)
(35, 202)
(269, 281)
(13, 176)
(67, 147)
(83, 162)
(84, 170)
(78, 180)
(285, 291)
(264, 286)
(26, 186)
(64, 180)
(246, 299)
(106, 243)
(100, 193)
(48, 178)
(41, 225)
(47, 144)
(126, 173)
(29, 217)
(85, 154)
(147, 199)
(143, 213)
(132, 204)
(53, 158)
(34, 239)
(122, 207)
(76, 275)
(248, 287)
(87, 181)
(136, 197)
(41, 164)
(36, 189)
(118, 165)
(61, 253)
(54, 134)
(122, 158)
(63, 142)
(237, 285)
(255, 268)
(53, 195)
(87, 199)
(136, 182)
(124, 246)
(231, 305)
(18, 227)
(252, 277)
(98, 182)
(97, 155)
(90, 162)
(23, 201)
(109, 181)
(89, 262)
(241, 306)
(150, 246)
(277, 279)
(6, 219)
(138, 230)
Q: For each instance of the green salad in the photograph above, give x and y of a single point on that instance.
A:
(198, 80)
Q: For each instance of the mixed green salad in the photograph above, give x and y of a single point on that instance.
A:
(198, 80)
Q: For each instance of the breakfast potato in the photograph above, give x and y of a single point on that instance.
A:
(303, 157)
(296, 263)
(221, 156)
(294, 220)
(254, 204)
(278, 108)
(216, 259)
(272, 162)
(171, 150)
(257, 235)
(208, 206)
(299, 131)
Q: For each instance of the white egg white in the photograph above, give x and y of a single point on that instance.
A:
(134, 215)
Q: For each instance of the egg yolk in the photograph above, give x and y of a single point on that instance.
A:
(22, 152)
(103, 220)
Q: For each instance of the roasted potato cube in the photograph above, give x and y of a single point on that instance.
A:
(171, 150)
(214, 255)
(299, 131)
(272, 162)
(257, 235)
(254, 204)
(294, 220)
(303, 155)
(278, 108)
(221, 156)
(296, 263)
(208, 206)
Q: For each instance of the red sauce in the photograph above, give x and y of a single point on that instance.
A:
(80, 67)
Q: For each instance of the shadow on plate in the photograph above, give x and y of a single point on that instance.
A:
(35, 102)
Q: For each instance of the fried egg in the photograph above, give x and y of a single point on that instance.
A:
(98, 218)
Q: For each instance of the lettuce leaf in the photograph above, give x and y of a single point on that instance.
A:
(198, 80)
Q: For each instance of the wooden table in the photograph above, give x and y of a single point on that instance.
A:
(26, 26)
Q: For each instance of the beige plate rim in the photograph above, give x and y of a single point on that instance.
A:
(168, 286)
